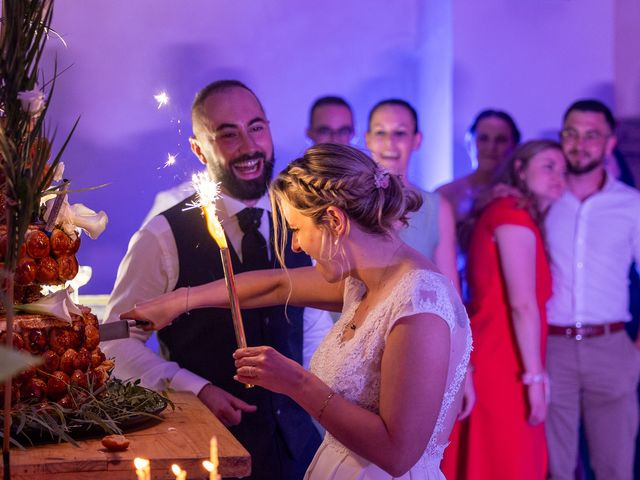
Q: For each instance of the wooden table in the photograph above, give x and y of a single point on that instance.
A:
(182, 438)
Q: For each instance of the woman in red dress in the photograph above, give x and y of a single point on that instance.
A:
(510, 282)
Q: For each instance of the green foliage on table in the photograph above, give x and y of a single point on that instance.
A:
(106, 410)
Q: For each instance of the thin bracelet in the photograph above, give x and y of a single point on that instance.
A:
(186, 307)
(531, 378)
(326, 402)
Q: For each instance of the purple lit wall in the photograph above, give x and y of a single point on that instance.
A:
(531, 57)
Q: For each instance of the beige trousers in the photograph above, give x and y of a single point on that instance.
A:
(594, 379)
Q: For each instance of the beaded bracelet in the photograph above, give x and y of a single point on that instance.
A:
(326, 402)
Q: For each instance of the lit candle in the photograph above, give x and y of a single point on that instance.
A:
(208, 466)
(213, 453)
(178, 472)
(207, 193)
(143, 468)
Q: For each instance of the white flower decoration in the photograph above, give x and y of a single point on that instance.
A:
(77, 215)
(32, 101)
(58, 304)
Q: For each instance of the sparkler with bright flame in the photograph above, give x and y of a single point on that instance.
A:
(207, 192)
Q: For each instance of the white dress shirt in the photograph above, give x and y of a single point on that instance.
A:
(592, 245)
(150, 268)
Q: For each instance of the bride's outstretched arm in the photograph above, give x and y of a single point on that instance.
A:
(297, 287)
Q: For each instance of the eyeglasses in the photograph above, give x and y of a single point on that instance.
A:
(590, 136)
(341, 132)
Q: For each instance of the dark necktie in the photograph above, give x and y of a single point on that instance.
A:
(255, 255)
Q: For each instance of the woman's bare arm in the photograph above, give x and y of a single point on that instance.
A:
(517, 249)
(297, 287)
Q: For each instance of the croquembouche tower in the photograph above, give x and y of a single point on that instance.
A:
(38, 245)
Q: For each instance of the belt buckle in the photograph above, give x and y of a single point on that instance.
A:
(574, 332)
(580, 332)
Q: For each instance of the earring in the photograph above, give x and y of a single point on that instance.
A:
(335, 242)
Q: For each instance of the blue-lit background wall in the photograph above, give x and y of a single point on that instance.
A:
(450, 59)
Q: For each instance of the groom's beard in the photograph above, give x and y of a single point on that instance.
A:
(239, 188)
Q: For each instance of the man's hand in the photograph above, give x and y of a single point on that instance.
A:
(502, 190)
(225, 406)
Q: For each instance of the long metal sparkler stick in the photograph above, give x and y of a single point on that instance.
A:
(230, 281)
(207, 194)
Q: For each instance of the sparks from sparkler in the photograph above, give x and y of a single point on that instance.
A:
(162, 98)
(171, 160)
(207, 192)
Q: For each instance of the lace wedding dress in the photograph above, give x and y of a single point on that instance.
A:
(352, 369)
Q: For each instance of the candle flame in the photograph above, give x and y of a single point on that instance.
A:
(208, 466)
(162, 98)
(140, 463)
(207, 192)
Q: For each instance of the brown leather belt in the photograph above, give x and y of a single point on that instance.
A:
(586, 331)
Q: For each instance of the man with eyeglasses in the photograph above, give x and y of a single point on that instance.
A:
(173, 251)
(330, 121)
(593, 235)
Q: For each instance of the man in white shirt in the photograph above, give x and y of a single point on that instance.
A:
(593, 234)
(173, 250)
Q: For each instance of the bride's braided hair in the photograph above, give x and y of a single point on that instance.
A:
(344, 177)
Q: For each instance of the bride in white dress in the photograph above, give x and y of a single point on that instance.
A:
(385, 382)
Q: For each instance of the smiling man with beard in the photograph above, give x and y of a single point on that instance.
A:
(231, 137)
(593, 236)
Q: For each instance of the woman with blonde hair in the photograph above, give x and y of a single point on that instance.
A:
(385, 382)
